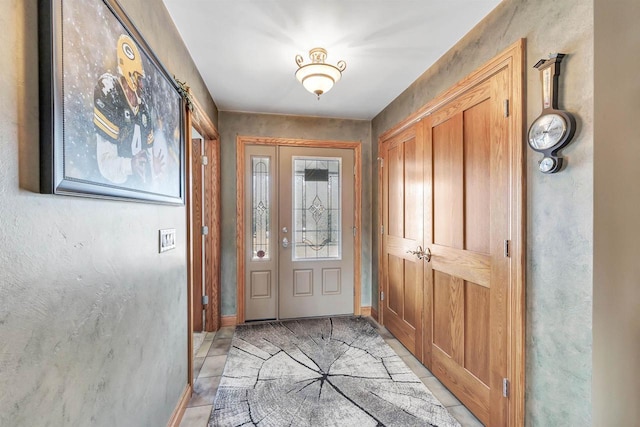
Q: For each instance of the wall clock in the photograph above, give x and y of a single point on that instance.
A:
(554, 128)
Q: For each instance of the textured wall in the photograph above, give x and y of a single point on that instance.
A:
(616, 284)
(92, 318)
(559, 207)
(233, 124)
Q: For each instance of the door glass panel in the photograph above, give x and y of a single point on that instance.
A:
(260, 208)
(316, 208)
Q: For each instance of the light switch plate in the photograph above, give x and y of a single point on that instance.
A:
(167, 239)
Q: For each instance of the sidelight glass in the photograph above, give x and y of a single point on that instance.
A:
(316, 208)
(261, 209)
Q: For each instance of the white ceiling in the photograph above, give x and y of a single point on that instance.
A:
(245, 49)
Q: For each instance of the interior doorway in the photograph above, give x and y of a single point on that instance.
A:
(298, 228)
(202, 184)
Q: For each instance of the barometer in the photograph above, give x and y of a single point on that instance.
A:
(554, 128)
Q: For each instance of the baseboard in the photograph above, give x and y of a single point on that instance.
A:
(228, 320)
(374, 314)
(176, 417)
(365, 311)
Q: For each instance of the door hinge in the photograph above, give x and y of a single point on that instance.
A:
(382, 229)
(205, 299)
(205, 160)
(205, 230)
(507, 252)
(506, 108)
(505, 387)
(381, 296)
(381, 160)
(354, 231)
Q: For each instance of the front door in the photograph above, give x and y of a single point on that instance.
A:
(316, 231)
(300, 245)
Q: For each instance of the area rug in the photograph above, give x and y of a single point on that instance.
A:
(320, 372)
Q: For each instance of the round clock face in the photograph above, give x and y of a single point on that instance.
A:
(547, 164)
(547, 131)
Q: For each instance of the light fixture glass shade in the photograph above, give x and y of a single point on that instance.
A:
(318, 77)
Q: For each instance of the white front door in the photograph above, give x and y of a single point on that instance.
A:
(299, 232)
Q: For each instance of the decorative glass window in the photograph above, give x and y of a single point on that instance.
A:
(316, 208)
(261, 209)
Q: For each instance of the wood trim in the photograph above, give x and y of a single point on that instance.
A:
(228, 321)
(374, 314)
(357, 242)
(199, 119)
(241, 142)
(189, 242)
(240, 261)
(512, 58)
(378, 230)
(212, 242)
(365, 311)
(196, 225)
(178, 412)
(516, 333)
(317, 143)
(500, 61)
(202, 122)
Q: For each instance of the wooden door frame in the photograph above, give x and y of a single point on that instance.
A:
(512, 59)
(198, 119)
(241, 143)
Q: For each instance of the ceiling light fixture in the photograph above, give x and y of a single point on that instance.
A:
(317, 76)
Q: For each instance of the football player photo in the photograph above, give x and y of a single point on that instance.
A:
(124, 131)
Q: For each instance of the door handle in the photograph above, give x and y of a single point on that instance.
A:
(426, 255)
(285, 242)
(418, 252)
(421, 254)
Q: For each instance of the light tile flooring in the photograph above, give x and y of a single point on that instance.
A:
(211, 356)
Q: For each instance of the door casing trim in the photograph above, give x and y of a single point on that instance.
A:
(198, 119)
(241, 143)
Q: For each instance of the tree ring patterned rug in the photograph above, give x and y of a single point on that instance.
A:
(320, 372)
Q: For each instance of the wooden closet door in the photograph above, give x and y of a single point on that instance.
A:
(403, 232)
(466, 225)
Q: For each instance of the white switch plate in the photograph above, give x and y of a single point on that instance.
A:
(167, 239)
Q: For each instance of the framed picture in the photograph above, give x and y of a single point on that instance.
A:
(111, 116)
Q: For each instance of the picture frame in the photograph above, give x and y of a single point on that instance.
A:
(112, 119)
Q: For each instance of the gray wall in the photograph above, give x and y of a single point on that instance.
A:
(266, 125)
(616, 284)
(92, 318)
(559, 207)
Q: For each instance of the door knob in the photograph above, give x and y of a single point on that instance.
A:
(285, 242)
(418, 252)
(426, 255)
(421, 254)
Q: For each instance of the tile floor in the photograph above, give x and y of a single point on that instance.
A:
(211, 356)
